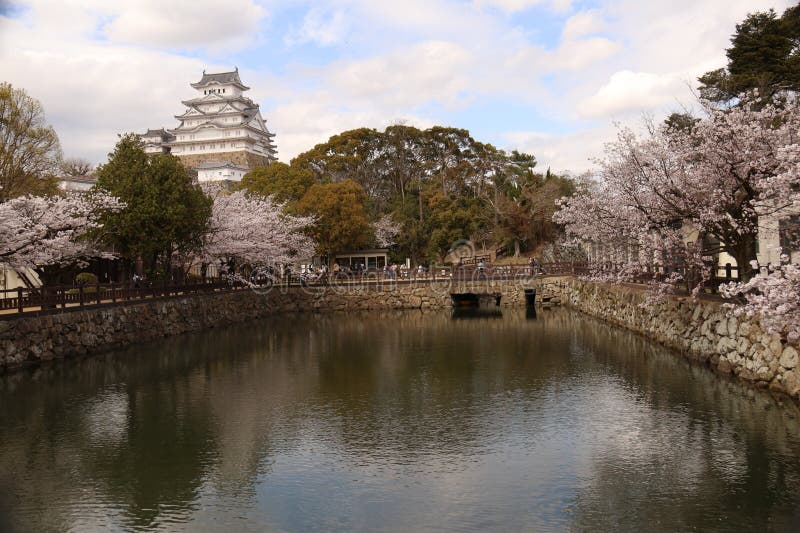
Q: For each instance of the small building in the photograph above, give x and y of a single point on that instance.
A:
(156, 141)
(219, 171)
(375, 258)
(17, 278)
(77, 183)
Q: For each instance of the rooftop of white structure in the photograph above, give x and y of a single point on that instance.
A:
(161, 132)
(221, 78)
(213, 165)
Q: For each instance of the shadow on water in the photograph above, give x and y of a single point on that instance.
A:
(413, 420)
(476, 312)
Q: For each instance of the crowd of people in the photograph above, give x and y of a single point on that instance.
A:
(398, 271)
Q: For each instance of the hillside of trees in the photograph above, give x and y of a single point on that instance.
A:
(417, 190)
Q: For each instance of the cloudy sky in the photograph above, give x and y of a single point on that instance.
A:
(550, 77)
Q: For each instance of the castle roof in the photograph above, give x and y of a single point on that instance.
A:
(220, 78)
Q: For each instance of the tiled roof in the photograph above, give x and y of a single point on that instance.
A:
(219, 77)
(212, 165)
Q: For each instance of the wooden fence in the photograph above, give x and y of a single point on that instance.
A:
(63, 298)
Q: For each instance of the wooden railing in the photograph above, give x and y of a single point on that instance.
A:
(62, 298)
(65, 298)
(720, 274)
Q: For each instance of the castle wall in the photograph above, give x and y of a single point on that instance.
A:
(241, 157)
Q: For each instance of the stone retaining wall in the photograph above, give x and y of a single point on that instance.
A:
(30, 338)
(240, 157)
(702, 330)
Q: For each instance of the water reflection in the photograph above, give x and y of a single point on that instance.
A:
(476, 312)
(399, 421)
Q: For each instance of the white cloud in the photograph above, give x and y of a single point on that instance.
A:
(103, 67)
(430, 71)
(513, 6)
(150, 23)
(571, 55)
(583, 23)
(303, 123)
(628, 91)
(184, 23)
(92, 92)
(320, 26)
(572, 152)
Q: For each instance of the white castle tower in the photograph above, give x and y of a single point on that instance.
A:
(221, 134)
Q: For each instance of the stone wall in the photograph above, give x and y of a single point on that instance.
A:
(30, 338)
(241, 157)
(700, 329)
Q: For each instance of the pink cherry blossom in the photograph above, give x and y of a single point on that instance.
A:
(254, 230)
(41, 231)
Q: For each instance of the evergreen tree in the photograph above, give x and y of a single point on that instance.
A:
(166, 214)
(764, 56)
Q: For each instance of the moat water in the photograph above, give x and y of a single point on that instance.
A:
(403, 421)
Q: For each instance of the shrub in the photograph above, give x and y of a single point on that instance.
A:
(86, 278)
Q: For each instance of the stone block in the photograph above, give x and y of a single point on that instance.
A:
(791, 383)
(726, 345)
(743, 345)
(733, 326)
(775, 345)
(789, 357)
(764, 373)
(744, 329)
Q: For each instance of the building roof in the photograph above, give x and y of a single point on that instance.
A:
(85, 178)
(162, 134)
(214, 165)
(367, 251)
(220, 78)
(152, 133)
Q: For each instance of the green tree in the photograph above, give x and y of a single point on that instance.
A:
(764, 55)
(29, 149)
(279, 180)
(417, 176)
(342, 220)
(166, 213)
(680, 122)
(450, 220)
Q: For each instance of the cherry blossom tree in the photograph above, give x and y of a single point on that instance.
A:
(774, 296)
(715, 179)
(676, 192)
(39, 232)
(253, 230)
(386, 231)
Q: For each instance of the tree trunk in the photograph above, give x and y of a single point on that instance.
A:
(516, 248)
(420, 203)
